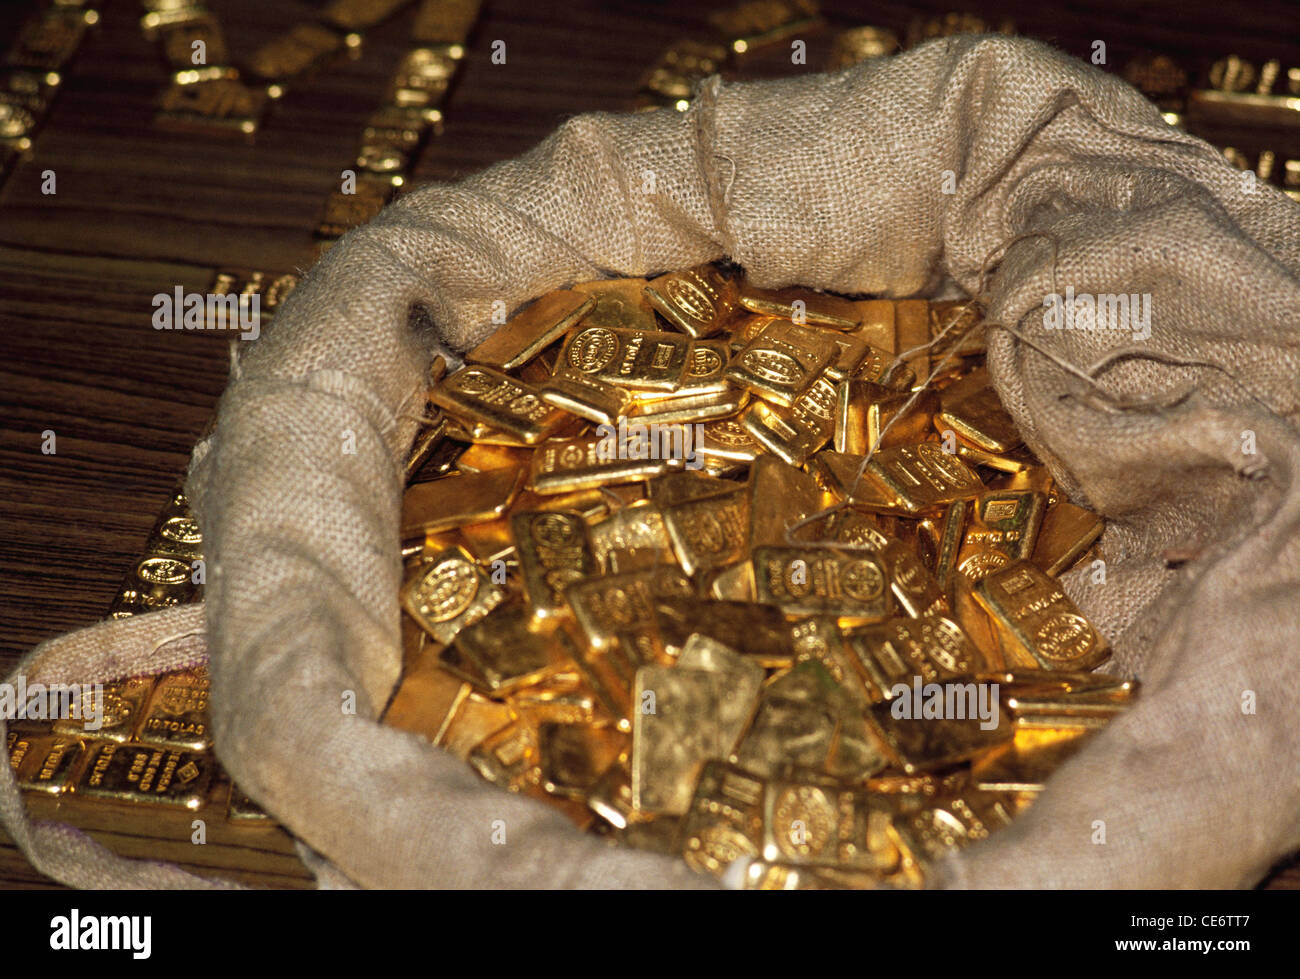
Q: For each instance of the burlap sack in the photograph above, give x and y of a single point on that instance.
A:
(1058, 175)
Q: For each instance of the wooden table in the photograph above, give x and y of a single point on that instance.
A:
(138, 211)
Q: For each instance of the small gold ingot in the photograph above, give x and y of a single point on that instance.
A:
(499, 408)
(795, 433)
(708, 533)
(780, 496)
(122, 711)
(1039, 625)
(450, 593)
(619, 304)
(921, 477)
(585, 397)
(801, 306)
(632, 535)
(725, 820)
(1066, 534)
(568, 465)
(932, 648)
(698, 301)
(727, 440)
(820, 580)
(472, 498)
(573, 757)
(782, 362)
(1002, 528)
(178, 712)
(45, 764)
(638, 359)
(530, 331)
(554, 552)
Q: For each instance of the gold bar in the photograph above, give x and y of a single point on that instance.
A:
(759, 632)
(807, 824)
(449, 593)
(725, 820)
(44, 764)
(915, 589)
(1003, 527)
(508, 650)
(698, 301)
(213, 105)
(921, 477)
(977, 415)
(606, 606)
(177, 717)
(1066, 534)
(532, 330)
(426, 442)
(727, 440)
(631, 535)
(706, 363)
(573, 757)
(916, 744)
(820, 581)
(568, 465)
(501, 407)
(509, 757)
(133, 774)
(482, 457)
(447, 503)
(554, 552)
(694, 409)
(801, 306)
(955, 822)
(878, 324)
(426, 700)
(932, 648)
(800, 497)
(782, 362)
(708, 533)
(123, 708)
(1038, 624)
(359, 15)
(797, 432)
(619, 304)
(240, 808)
(305, 47)
(585, 397)
(639, 359)
(475, 720)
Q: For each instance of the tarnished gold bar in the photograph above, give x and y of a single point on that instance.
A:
(43, 763)
(782, 362)
(735, 583)
(795, 433)
(759, 632)
(932, 648)
(698, 301)
(635, 535)
(567, 465)
(919, 743)
(585, 397)
(177, 717)
(573, 757)
(619, 304)
(1003, 527)
(531, 330)
(1066, 534)
(708, 533)
(801, 306)
(554, 552)
(498, 407)
(508, 649)
(638, 359)
(820, 581)
(725, 819)
(131, 773)
(122, 711)
(1038, 624)
(807, 824)
(449, 593)
(472, 498)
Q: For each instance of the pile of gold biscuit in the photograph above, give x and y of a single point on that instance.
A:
(734, 573)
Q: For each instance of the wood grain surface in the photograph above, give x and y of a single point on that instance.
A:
(139, 211)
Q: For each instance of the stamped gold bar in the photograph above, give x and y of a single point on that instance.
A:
(530, 331)
(631, 538)
(921, 477)
(820, 580)
(725, 820)
(810, 824)
(795, 433)
(760, 632)
(1066, 534)
(932, 648)
(122, 711)
(706, 364)
(693, 409)
(915, 588)
(49, 38)
(568, 465)
(1039, 625)
(1003, 527)
(449, 593)
(801, 306)
(305, 47)
(953, 822)
(508, 649)
(782, 362)
(44, 763)
(213, 105)
(708, 533)
(698, 301)
(915, 742)
(613, 604)
(476, 718)
(727, 440)
(136, 773)
(481, 457)
(509, 757)
(499, 404)
(639, 359)
(177, 716)
(472, 498)
(424, 75)
(554, 552)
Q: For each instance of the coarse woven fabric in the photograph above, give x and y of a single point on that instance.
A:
(1058, 175)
